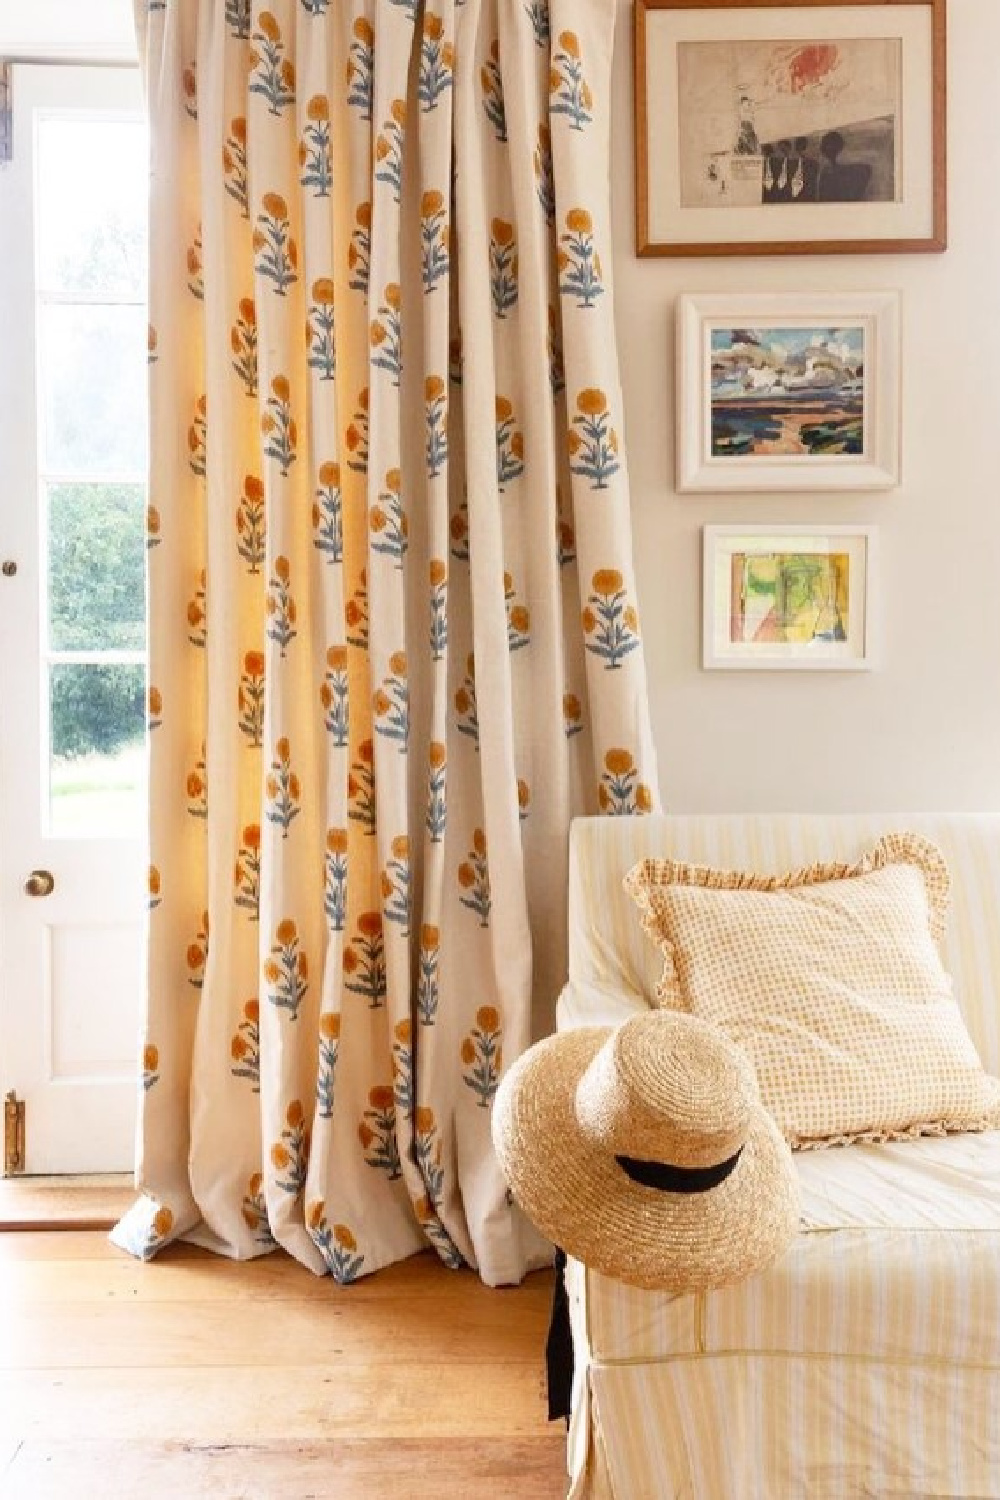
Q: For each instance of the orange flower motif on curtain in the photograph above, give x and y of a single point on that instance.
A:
(361, 68)
(474, 879)
(335, 892)
(327, 513)
(197, 614)
(356, 614)
(428, 992)
(568, 88)
(290, 1155)
(234, 164)
(251, 524)
(389, 148)
(610, 623)
(482, 1056)
(250, 698)
(197, 954)
(620, 790)
(314, 148)
(150, 1065)
(273, 73)
(435, 239)
(254, 1210)
(245, 1046)
(437, 62)
(337, 1244)
(246, 878)
(361, 788)
(243, 345)
(364, 960)
(277, 252)
(326, 1074)
(286, 972)
(360, 249)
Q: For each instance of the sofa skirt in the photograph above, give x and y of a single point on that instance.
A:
(760, 1427)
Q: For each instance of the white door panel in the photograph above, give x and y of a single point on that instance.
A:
(72, 663)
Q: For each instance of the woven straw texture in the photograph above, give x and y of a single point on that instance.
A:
(660, 1091)
(831, 979)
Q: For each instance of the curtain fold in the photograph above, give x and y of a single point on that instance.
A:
(394, 642)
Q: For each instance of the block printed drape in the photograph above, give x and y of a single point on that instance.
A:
(393, 634)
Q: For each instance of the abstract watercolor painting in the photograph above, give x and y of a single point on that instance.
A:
(790, 596)
(787, 391)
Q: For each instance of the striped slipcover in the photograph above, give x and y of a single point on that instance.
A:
(866, 1362)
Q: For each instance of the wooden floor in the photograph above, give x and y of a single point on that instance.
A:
(64, 1202)
(196, 1376)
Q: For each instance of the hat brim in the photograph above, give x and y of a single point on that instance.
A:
(581, 1199)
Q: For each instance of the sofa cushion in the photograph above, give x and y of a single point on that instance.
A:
(831, 978)
(897, 1259)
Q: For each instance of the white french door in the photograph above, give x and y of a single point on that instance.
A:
(73, 215)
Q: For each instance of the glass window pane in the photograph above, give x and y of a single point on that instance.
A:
(93, 383)
(92, 194)
(97, 778)
(97, 560)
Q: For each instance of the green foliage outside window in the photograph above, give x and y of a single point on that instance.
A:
(96, 603)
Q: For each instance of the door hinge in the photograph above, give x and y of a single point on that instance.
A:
(13, 1135)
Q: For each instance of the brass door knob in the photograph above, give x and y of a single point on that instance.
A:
(40, 883)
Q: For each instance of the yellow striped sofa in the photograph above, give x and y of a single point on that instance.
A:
(866, 1362)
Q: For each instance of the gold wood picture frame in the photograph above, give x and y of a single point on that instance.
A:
(767, 128)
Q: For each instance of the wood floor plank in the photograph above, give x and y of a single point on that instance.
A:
(238, 1333)
(182, 1273)
(51, 1320)
(292, 1403)
(68, 1245)
(196, 1376)
(31, 1203)
(476, 1469)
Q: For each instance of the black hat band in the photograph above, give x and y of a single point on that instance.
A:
(670, 1179)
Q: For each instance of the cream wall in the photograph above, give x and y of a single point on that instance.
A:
(82, 30)
(923, 730)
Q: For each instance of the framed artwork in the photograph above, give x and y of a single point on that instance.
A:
(788, 597)
(788, 391)
(765, 128)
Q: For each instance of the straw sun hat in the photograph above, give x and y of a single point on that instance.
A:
(645, 1152)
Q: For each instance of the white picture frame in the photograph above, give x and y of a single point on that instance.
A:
(788, 598)
(788, 391)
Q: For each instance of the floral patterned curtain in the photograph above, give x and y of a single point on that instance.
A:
(393, 630)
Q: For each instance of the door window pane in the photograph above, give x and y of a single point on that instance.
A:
(92, 233)
(97, 558)
(93, 388)
(97, 751)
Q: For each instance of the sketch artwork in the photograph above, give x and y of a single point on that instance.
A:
(786, 122)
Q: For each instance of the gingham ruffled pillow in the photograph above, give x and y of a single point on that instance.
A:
(831, 978)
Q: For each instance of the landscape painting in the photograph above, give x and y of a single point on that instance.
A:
(789, 122)
(777, 392)
(790, 597)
